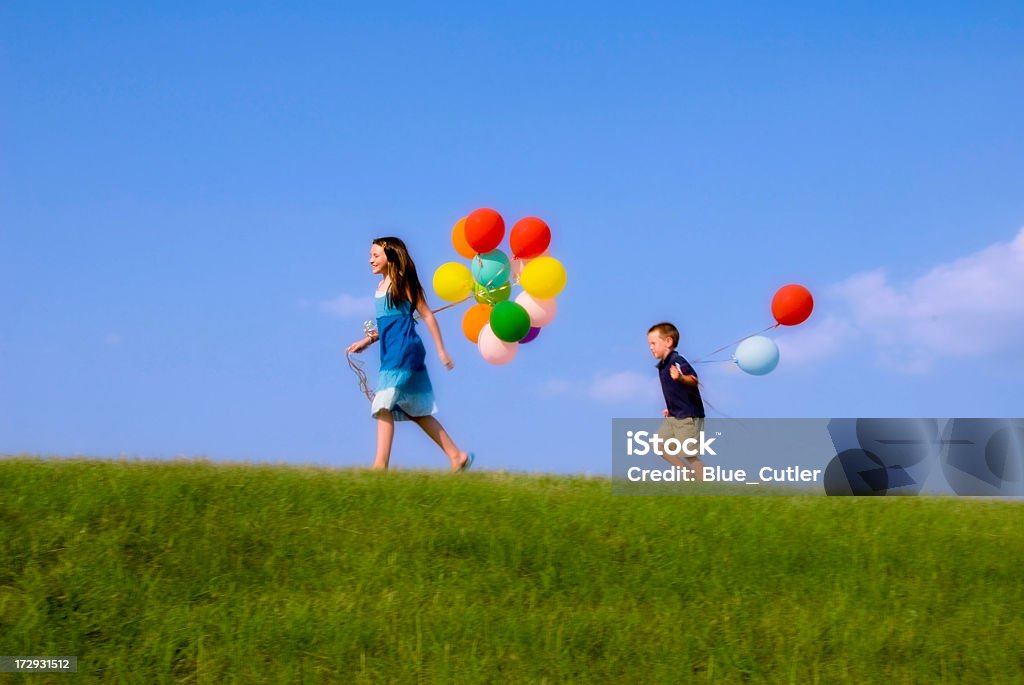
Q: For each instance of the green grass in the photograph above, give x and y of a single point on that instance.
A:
(199, 573)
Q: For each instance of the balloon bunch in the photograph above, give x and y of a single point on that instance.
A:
(496, 324)
(758, 354)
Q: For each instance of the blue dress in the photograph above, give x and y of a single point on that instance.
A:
(403, 386)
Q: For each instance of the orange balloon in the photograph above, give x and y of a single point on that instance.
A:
(474, 319)
(484, 229)
(459, 240)
(792, 304)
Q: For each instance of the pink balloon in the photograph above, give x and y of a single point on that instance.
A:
(493, 349)
(542, 312)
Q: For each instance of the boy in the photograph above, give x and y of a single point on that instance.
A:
(684, 413)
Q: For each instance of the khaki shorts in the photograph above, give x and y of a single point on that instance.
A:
(682, 429)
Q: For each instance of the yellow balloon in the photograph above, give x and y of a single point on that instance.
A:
(453, 282)
(543, 277)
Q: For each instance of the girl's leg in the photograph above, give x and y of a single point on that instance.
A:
(385, 436)
(438, 434)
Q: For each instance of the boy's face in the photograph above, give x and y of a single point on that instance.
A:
(660, 347)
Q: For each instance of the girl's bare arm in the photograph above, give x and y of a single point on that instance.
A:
(435, 331)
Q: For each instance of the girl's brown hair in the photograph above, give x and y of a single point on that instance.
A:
(405, 283)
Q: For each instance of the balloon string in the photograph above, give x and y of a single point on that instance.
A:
(504, 267)
(736, 342)
(447, 306)
(486, 286)
(731, 359)
(713, 407)
(357, 369)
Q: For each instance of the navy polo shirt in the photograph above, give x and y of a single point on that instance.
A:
(683, 401)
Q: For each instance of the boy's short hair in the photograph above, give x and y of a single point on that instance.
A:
(666, 330)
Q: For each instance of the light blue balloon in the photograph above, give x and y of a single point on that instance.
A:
(491, 269)
(757, 355)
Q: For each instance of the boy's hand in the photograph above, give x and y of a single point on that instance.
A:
(664, 412)
(675, 372)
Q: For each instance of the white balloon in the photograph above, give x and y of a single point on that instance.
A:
(757, 355)
(542, 312)
(493, 349)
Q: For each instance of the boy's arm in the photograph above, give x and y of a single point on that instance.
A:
(689, 380)
(686, 379)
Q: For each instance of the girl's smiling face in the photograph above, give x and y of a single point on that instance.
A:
(378, 260)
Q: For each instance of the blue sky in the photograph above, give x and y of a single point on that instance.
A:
(188, 193)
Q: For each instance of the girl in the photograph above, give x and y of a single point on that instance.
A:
(403, 390)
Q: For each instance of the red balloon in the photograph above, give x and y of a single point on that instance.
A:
(484, 230)
(530, 237)
(792, 304)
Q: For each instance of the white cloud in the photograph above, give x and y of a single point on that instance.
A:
(819, 340)
(623, 386)
(349, 306)
(608, 387)
(969, 307)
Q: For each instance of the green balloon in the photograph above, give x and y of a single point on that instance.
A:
(510, 322)
(491, 296)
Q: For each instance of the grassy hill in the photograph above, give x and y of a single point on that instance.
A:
(199, 573)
